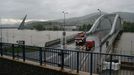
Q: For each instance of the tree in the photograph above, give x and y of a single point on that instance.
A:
(128, 27)
(55, 28)
(85, 27)
(89, 27)
(38, 27)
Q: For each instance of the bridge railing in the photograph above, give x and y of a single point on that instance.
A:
(75, 60)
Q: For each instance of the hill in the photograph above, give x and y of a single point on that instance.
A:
(126, 16)
(77, 21)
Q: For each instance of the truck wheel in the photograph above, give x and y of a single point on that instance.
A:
(87, 49)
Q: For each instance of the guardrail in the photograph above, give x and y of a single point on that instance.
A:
(90, 62)
(57, 41)
(52, 42)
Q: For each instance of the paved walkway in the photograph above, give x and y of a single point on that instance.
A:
(125, 45)
(66, 71)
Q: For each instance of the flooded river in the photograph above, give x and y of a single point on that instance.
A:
(31, 37)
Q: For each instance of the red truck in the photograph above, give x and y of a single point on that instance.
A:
(80, 39)
(90, 44)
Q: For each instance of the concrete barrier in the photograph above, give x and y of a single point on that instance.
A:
(57, 41)
(52, 42)
(13, 67)
(8, 66)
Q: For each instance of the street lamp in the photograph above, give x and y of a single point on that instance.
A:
(100, 44)
(64, 33)
(1, 31)
(1, 51)
(99, 11)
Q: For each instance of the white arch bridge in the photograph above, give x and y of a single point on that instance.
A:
(104, 32)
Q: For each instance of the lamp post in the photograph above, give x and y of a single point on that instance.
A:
(99, 11)
(64, 32)
(100, 45)
(1, 51)
(1, 31)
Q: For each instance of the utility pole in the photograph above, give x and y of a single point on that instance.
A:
(64, 32)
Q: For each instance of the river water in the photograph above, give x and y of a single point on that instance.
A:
(31, 37)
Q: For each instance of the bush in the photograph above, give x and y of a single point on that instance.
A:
(39, 27)
(128, 27)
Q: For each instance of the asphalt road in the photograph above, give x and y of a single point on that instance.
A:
(70, 57)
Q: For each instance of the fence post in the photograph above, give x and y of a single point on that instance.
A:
(23, 49)
(1, 49)
(62, 60)
(44, 56)
(40, 55)
(13, 51)
(78, 62)
(110, 72)
(91, 64)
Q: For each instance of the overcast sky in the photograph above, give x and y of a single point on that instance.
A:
(52, 9)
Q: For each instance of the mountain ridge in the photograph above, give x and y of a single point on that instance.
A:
(87, 19)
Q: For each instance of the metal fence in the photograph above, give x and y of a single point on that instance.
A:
(90, 62)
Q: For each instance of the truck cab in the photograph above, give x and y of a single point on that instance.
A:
(90, 44)
(80, 39)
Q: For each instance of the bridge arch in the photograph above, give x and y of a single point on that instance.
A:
(106, 25)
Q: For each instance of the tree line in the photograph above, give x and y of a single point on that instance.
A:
(40, 27)
(85, 27)
(128, 26)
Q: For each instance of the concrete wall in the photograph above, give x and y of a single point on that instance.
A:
(9, 67)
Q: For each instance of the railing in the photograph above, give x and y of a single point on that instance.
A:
(93, 63)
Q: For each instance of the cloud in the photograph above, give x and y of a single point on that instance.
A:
(52, 9)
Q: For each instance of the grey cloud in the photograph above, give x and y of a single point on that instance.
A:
(52, 9)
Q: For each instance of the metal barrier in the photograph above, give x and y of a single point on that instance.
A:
(57, 41)
(90, 62)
